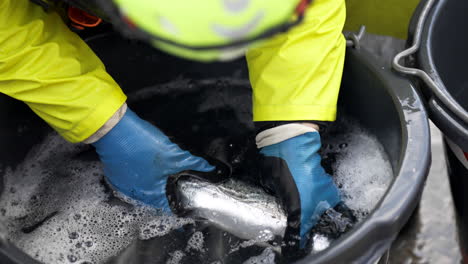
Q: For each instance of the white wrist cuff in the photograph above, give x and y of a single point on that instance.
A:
(281, 133)
(111, 123)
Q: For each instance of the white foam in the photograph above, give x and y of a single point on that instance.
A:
(160, 226)
(267, 257)
(320, 243)
(362, 169)
(196, 242)
(175, 257)
(83, 224)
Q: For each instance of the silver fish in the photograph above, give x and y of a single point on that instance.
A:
(240, 209)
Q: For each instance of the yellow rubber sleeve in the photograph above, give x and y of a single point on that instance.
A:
(45, 65)
(297, 75)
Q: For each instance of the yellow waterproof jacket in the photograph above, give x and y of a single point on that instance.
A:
(295, 76)
(52, 70)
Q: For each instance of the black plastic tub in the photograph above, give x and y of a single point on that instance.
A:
(444, 55)
(385, 104)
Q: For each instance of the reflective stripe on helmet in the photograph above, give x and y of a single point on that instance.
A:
(241, 30)
(235, 6)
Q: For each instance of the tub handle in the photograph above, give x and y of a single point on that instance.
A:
(353, 39)
(441, 94)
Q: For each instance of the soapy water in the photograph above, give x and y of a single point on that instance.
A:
(267, 257)
(57, 208)
(361, 168)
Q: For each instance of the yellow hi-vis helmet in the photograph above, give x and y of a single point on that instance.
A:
(207, 30)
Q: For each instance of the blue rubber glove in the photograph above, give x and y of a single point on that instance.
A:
(298, 157)
(138, 158)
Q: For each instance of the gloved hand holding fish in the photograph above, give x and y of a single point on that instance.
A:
(291, 171)
(139, 159)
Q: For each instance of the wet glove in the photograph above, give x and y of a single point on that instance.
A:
(138, 158)
(291, 168)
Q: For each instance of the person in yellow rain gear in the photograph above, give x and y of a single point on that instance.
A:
(295, 53)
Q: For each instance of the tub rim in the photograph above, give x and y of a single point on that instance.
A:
(451, 126)
(375, 235)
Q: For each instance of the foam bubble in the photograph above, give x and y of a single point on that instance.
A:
(267, 257)
(321, 242)
(362, 169)
(196, 242)
(161, 226)
(64, 212)
(176, 257)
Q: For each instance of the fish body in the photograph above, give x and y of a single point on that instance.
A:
(233, 206)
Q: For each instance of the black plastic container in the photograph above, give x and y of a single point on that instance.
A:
(385, 104)
(443, 55)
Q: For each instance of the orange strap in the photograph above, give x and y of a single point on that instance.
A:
(81, 20)
(302, 6)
